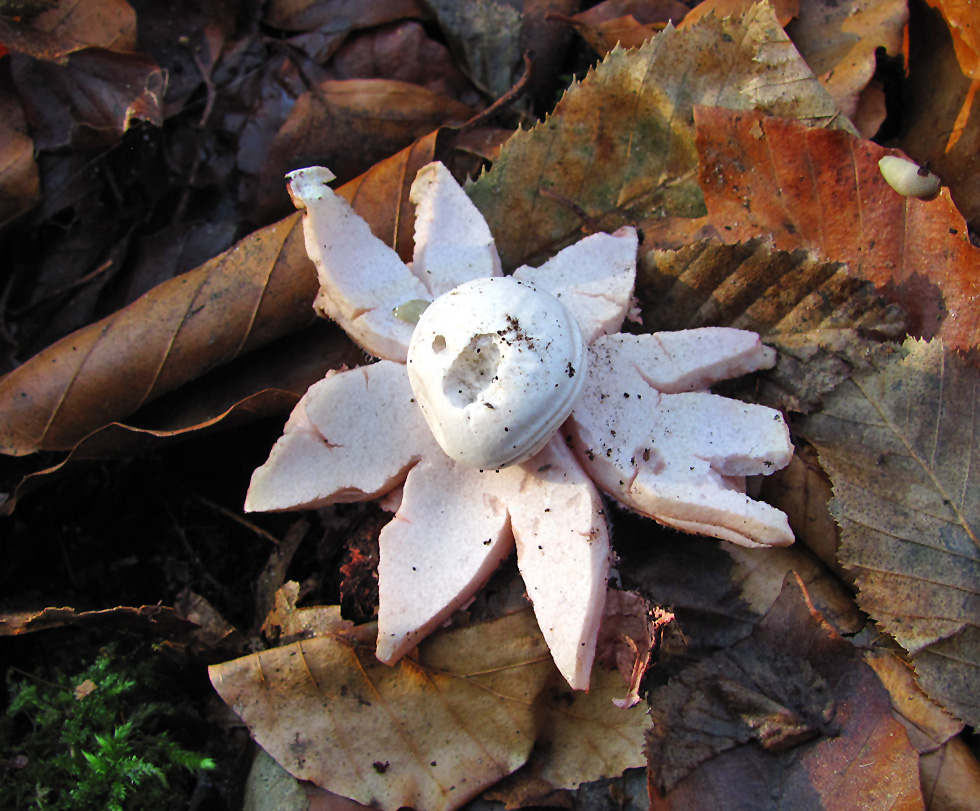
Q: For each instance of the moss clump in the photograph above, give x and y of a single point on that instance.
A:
(91, 741)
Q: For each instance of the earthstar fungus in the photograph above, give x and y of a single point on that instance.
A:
(533, 398)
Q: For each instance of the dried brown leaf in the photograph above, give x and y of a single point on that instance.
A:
(822, 190)
(619, 147)
(583, 736)
(819, 721)
(785, 10)
(628, 23)
(900, 444)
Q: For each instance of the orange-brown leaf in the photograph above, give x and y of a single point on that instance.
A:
(822, 190)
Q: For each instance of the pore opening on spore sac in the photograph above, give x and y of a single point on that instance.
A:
(473, 370)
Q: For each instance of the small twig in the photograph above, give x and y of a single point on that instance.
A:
(505, 101)
(239, 519)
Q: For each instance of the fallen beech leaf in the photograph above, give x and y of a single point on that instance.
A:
(245, 298)
(792, 681)
(899, 442)
(941, 123)
(239, 300)
(821, 319)
(429, 734)
(69, 26)
(20, 183)
(619, 146)
(822, 190)
(785, 10)
(839, 39)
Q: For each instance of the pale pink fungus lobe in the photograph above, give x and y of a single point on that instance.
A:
(651, 435)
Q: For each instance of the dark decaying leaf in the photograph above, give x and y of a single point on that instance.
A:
(92, 99)
(247, 297)
(353, 124)
(823, 320)
(71, 25)
(822, 190)
(901, 446)
(485, 38)
(792, 705)
(20, 183)
(620, 145)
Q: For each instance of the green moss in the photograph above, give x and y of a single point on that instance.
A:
(92, 741)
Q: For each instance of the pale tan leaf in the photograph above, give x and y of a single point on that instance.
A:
(427, 734)
(901, 445)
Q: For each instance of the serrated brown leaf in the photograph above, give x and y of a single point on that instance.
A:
(900, 444)
(823, 320)
(619, 146)
(427, 734)
(819, 721)
(949, 771)
(256, 292)
(822, 190)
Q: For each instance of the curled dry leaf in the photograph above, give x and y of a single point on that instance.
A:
(252, 294)
(822, 190)
(900, 444)
(785, 10)
(819, 721)
(631, 116)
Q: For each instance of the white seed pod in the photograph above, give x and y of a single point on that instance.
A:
(496, 366)
(908, 178)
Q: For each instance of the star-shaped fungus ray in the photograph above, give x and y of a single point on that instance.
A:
(650, 434)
